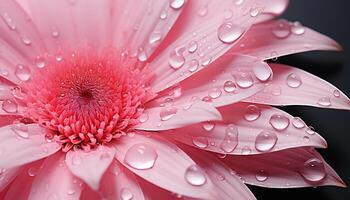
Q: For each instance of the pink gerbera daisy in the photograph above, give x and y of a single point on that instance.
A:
(156, 99)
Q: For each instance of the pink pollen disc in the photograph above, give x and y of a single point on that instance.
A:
(87, 99)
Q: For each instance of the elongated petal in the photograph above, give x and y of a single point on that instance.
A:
(165, 118)
(7, 176)
(90, 166)
(21, 144)
(292, 86)
(229, 80)
(249, 129)
(227, 184)
(119, 182)
(300, 167)
(263, 42)
(163, 164)
(55, 181)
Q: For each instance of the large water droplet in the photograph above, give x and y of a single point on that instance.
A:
(230, 140)
(208, 126)
(281, 29)
(261, 176)
(176, 60)
(293, 81)
(298, 123)
(262, 71)
(252, 113)
(200, 142)
(195, 176)
(167, 113)
(192, 46)
(126, 194)
(9, 106)
(193, 65)
(141, 156)
(229, 32)
(22, 72)
(177, 4)
(279, 122)
(214, 93)
(265, 141)
(230, 87)
(324, 101)
(244, 80)
(21, 130)
(313, 170)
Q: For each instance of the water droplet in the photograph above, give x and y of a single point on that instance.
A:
(167, 113)
(200, 142)
(26, 40)
(208, 126)
(141, 55)
(177, 4)
(262, 71)
(261, 176)
(279, 122)
(313, 170)
(293, 81)
(192, 46)
(310, 130)
(265, 141)
(22, 72)
(230, 87)
(21, 130)
(244, 80)
(70, 191)
(40, 62)
(176, 60)
(143, 118)
(8, 21)
(207, 60)
(281, 29)
(9, 106)
(141, 156)
(193, 65)
(126, 194)
(163, 15)
(336, 93)
(229, 32)
(32, 171)
(298, 28)
(246, 150)
(230, 141)
(324, 101)
(254, 12)
(214, 93)
(239, 2)
(252, 113)
(298, 123)
(155, 38)
(195, 176)
(54, 32)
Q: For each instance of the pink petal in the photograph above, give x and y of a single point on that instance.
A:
(203, 43)
(300, 167)
(248, 129)
(227, 184)
(7, 176)
(119, 183)
(165, 118)
(292, 86)
(162, 164)
(54, 181)
(229, 80)
(261, 42)
(21, 186)
(140, 26)
(90, 166)
(21, 144)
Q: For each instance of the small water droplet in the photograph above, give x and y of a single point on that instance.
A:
(230, 87)
(252, 113)
(229, 32)
(141, 156)
(141, 55)
(167, 113)
(177, 4)
(265, 141)
(200, 142)
(244, 80)
(22, 72)
(293, 81)
(155, 38)
(195, 176)
(324, 101)
(262, 71)
(9, 106)
(192, 46)
(32, 171)
(21, 130)
(261, 176)
(298, 28)
(143, 118)
(230, 140)
(126, 194)
(336, 93)
(193, 65)
(298, 123)
(40, 62)
(176, 60)
(214, 93)
(281, 29)
(26, 40)
(306, 138)
(208, 126)
(163, 15)
(313, 170)
(255, 11)
(246, 150)
(70, 191)
(310, 130)
(279, 122)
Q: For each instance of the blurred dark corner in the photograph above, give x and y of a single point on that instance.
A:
(333, 19)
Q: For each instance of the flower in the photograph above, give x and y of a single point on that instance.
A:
(156, 100)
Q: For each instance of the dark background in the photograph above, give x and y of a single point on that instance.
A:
(330, 17)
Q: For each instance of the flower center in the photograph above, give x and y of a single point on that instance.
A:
(87, 99)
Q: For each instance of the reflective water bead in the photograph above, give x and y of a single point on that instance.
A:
(9, 106)
(167, 113)
(40, 62)
(298, 123)
(252, 113)
(192, 46)
(281, 29)
(195, 176)
(126, 194)
(265, 141)
(298, 28)
(229, 32)
(176, 60)
(22, 72)
(230, 140)
(208, 126)
(294, 81)
(155, 37)
(324, 101)
(200, 142)
(336, 93)
(21, 130)
(193, 65)
(230, 87)
(177, 4)
(8, 21)
(214, 93)
(262, 71)
(261, 176)
(279, 122)
(313, 170)
(143, 118)
(141, 156)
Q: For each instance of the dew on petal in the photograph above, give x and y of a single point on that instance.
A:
(126, 194)
(281, 29)
(167, 113)
(310, 130)
(336, 93)
(246, 150)
(195, 176)
(230, 140)
(294, 81)
(21, 130)
(313, 170)
(208, 126)
(324, 101)
(244, 80)
(22, 72)
(9, 106)
(141, 156)
(155, 38)
(214, 93)
(262, 71)
(261, 176)
(252, 113)
(265, 141)
(40, 62)
(279, 122)
(200, 142)
(143, 118)
(177, 4)
(298, 28)
(229, 32)
(193, 65)
(192, 46)
(230, 87)
(298, 123)
(176, 60)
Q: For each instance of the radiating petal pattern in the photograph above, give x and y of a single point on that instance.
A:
(300, 167)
